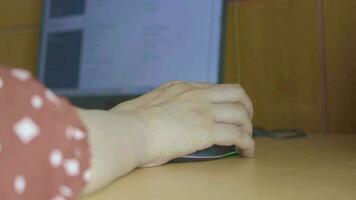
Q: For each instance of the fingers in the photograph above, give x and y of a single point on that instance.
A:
(227, 134)
(230, 113)
(233, 127)
(228, 93)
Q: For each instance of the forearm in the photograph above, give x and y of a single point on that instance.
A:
(117, 145)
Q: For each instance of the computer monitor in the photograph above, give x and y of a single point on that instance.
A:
(96, 48)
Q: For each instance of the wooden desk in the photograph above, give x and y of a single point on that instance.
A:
(316, 167)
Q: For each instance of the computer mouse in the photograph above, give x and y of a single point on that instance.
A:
(214, 152)
(217, 152)
(211, 153)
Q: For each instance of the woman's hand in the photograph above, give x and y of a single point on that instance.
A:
(181, 118)
(173, 120)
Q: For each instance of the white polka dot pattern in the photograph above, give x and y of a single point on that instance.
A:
(56, 158)
(19, 184)
(26, 130)
(36, 101)
(20, 74)
(72, 167)
(47, 159)
(74, 133)
(87, 175)
(51, 96)
(66, 191)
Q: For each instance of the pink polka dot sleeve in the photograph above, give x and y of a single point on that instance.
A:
(44, 152)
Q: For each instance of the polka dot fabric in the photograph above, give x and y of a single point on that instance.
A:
(44, 152)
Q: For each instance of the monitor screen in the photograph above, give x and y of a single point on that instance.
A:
(128, 47)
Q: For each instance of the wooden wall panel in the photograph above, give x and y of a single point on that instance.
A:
(340, 42)
(230, 61)
(279, 63)
(19, 49)
(19, 32)
(16, 13)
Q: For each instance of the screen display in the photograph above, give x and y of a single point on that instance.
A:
(120, 47)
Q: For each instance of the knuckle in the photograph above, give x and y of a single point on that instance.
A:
(234, 89)
(168, 83)
(238, 89)
(172, 83)
(177, 82)
(233, 86)
(236, 85)
(180, 85)
(190, 94)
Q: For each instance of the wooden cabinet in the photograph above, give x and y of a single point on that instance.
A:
(340, 43)
(298, 73)
(19, 32)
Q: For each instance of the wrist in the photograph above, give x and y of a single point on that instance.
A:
(140, 139)
(117, 141)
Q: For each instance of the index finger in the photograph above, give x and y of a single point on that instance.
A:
(229, 93)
